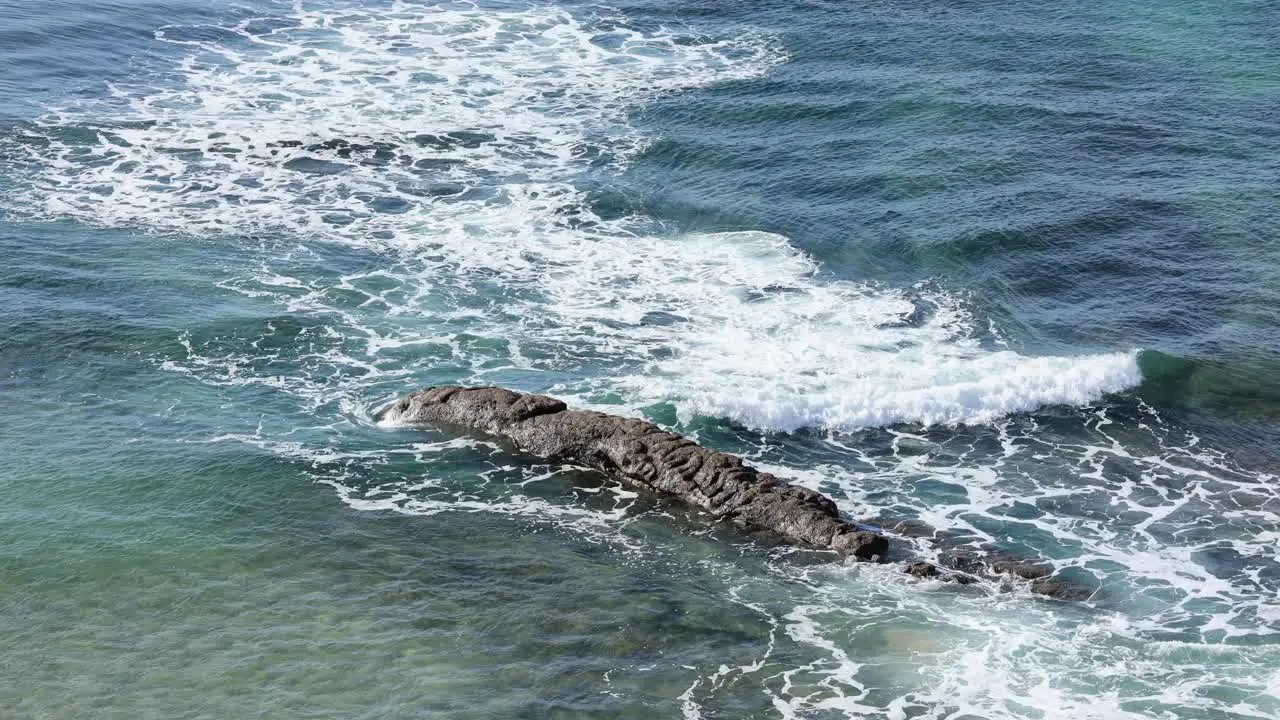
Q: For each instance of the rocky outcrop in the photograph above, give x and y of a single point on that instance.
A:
(959, 561)
(642, 454)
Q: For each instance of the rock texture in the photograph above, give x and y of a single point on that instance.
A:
(644, 455)
(959, 562)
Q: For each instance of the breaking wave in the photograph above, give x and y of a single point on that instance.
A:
(469, 147)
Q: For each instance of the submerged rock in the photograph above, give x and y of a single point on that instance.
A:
(922, 569)
(966, 565)
(642, 454)
(927, 570)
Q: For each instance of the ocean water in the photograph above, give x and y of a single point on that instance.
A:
(1011, 270)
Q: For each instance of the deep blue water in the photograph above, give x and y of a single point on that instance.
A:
(1006, 269)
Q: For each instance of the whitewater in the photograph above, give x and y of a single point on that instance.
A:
(451, 140)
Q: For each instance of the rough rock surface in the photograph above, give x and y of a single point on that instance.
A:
(644, 455)
(647, 456)
(965, 565)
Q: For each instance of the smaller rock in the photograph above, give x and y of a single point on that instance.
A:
(909, 527)
(862, 545)
(1059, 589)
(965, 562)
(927, 570)
(1025, 569)
(922, 569)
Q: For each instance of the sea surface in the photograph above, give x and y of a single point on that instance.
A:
(1007, 269)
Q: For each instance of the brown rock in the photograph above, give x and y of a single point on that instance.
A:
(642, 454)
(921, 569)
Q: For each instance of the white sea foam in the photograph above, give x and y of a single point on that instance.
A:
(453, 139)
(773, 345)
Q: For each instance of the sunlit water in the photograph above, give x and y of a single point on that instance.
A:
(1007, 270)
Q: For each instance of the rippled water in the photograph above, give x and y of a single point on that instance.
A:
(1007, 270)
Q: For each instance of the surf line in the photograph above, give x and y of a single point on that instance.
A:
(643, 455)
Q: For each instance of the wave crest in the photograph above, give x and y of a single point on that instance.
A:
(456, 142)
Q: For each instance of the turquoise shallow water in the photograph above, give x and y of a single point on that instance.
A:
(1006, 269)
